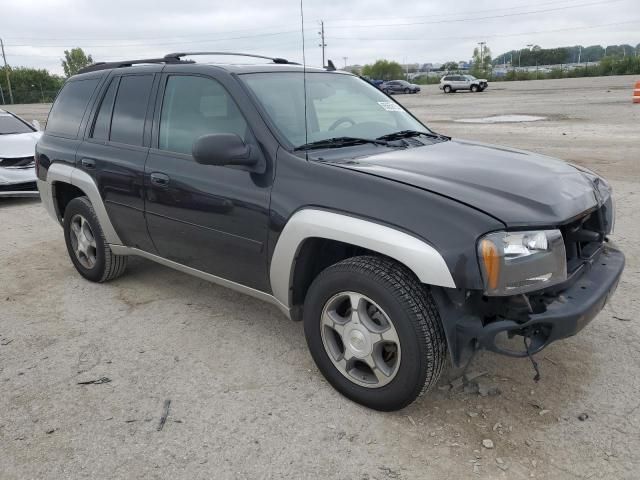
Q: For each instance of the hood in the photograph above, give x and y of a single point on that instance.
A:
(19, 145)
(519, 188)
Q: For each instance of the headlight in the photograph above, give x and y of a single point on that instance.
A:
(518, 262)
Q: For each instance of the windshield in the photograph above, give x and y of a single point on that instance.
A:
(337, 106)
(470, 77)
(10, 124)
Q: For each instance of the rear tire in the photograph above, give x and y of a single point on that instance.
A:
(406, 344)
(86, 245)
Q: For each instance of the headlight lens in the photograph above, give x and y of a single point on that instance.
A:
(518, 262)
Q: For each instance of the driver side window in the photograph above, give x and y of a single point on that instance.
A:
(194, 106)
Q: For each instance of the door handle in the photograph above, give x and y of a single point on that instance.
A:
(89, 163)
(160, 179)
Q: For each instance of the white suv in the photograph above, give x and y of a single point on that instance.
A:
(452, 83)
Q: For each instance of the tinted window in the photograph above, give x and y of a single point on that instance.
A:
(66, 113)
(447, 79)
(10, 124)
(130, 108)
(196, 106)
(103, 119)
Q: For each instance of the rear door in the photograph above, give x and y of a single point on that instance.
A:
(115, 149)
(211, 218)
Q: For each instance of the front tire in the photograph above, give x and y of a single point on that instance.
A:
(447, 89)
(474, 88)
(374, 332)
(86, 245)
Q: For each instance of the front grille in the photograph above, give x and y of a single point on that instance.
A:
(17, 162)
(19, 187)
(583, 238)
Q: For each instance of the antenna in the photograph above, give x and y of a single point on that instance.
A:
(304, 79)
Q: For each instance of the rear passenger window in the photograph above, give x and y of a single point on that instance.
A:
(68, 109)
(130, 108)
(103, 120)
(195, 106)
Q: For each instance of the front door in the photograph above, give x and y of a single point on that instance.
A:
(210, 218)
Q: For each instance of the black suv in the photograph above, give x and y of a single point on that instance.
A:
(315, 191)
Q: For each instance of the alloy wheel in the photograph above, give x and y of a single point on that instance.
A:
(83, 241)
(360, 339)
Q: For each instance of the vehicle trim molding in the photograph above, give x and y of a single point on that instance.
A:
(420, 257)
(61, 172)
(238, 287)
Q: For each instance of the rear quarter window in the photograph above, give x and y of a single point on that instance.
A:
(69, 107)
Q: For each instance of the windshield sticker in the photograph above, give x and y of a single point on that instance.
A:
(390, 106)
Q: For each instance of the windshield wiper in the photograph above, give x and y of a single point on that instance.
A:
(337, 142)
(408, 134)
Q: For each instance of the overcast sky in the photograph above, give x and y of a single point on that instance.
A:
(36, 32)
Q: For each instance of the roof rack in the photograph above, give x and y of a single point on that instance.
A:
(173, 58)
(127, 63)
(232, 54)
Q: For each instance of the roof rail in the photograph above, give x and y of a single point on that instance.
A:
(127, 63)
(232, 54)
(173, 58)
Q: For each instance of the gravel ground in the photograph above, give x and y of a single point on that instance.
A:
(246, 401)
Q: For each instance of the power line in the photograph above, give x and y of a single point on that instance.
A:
(159, 43)
(467, 12)
(488, 17)
(496, 35)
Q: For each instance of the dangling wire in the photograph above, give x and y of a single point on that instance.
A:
(533, 362)
(304, 80)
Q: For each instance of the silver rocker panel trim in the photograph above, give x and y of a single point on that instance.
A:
(424, 260)
(61, 172)
(260, 295)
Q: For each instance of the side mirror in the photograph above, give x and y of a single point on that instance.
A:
(36, 125)
(222, 149)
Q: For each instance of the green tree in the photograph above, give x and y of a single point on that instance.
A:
(31, 85)
(450, 67)
(481, 61)
(74, 60)
(383, 70)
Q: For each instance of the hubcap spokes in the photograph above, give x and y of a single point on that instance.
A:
(83, 241)
(360, 339)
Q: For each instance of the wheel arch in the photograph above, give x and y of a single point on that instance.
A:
(313, 239)
(65, 182)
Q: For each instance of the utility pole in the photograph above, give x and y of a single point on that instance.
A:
(6, 71)
(322, 44)
(1, 94)
(482, 44)
(345, 61)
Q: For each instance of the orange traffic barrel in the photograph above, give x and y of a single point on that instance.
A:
(636, 93)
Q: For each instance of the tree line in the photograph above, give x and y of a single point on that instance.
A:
(535, 55)
(37, 85)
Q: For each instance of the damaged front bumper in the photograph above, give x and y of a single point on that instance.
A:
(550, 316)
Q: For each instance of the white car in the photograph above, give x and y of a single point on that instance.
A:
(453, 83)
(18, 140)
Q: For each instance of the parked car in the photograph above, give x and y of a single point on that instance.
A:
(392, 243)
(399, 86)
(17, 147)
(453, 83)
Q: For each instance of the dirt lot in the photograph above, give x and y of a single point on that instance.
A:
(246, 399)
